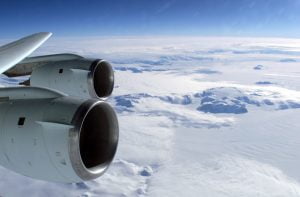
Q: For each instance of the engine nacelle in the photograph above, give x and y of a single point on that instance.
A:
(79, 77)
(56, 138)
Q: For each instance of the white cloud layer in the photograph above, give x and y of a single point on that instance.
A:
(198, 117)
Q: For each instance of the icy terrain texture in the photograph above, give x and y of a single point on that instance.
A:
(198, 117)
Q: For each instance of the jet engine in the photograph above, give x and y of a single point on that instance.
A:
(68, 73)
(49, 136)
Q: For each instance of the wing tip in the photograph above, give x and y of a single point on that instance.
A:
(14, 52)
(45, 35)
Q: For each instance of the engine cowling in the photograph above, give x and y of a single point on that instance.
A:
(79, 77)
(56, 138)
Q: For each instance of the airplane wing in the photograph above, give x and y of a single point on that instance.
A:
(60, 113)
(14, 52)
(26, 66)
(23, 93)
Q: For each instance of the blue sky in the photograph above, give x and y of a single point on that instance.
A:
(151, 17)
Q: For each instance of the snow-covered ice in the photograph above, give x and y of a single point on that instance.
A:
(199, 116)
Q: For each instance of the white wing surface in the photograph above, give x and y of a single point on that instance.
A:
(22, 93)
(14, 52)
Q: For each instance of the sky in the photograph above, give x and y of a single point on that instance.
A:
(263, 18)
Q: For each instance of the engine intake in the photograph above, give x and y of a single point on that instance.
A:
(93, 143)
(102, 76)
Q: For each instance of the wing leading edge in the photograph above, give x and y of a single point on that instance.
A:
(14, 52)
